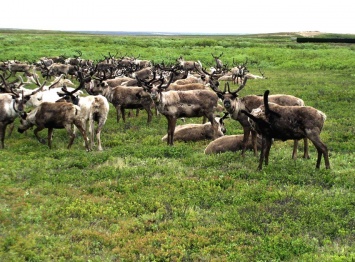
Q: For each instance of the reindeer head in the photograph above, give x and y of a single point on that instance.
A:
(230, 99)
(155, 86)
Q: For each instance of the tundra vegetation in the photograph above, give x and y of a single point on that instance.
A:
(141, 200)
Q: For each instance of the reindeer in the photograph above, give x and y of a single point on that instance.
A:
(27, 69)
(4, 66)
(239, 71)
(54, 115)
(196, 132)
(273, 121)
(144, 73)
(57, 69)
(141, 63)
(11, 105)
(46, 93)
(252, 76)
(92, 109)
(219, 63)
(188, 66)
(231, 143)
(233, 104)
(123, 97)
(76, 60)
(175, 104)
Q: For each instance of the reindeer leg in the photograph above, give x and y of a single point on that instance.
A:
(118, 112)
(100, 125)
(305, 149)
(171, 129)
(50, 137)
(2, 135)
(295, 147)
(78, 124)
(254, 142)
(11, 128)
(267, 152)
(245, 141)
(150, 114)
(322, 149)
(98, 138)
(36, 131)
(123, 114)
(264, 153)
(71, 133)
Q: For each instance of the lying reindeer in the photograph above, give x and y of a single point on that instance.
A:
(196, 132)
(232, 143)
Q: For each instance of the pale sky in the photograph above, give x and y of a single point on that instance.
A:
(218, 16)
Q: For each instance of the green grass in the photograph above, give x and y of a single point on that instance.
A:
(141, 200)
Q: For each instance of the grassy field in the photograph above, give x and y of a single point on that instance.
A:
(141, 200)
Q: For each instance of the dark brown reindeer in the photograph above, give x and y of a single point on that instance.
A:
(273, 121)
(234, 104)
(176, 104)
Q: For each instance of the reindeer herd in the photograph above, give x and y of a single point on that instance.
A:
(184, 89)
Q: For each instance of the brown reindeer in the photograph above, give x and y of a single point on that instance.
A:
(231, 143)
(273, 121)
(54, 115)
(123, 97)
(176, 104)
(233, 104)
(188, 66)
(197, 132)
(219, 63)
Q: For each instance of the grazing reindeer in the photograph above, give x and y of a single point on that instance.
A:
(175, 104)
(233, 104)
(54, 115)
(273, 121)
